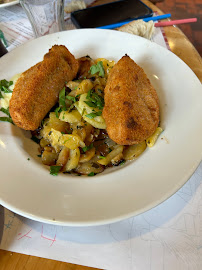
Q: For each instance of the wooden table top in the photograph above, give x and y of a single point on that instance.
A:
(180, 46)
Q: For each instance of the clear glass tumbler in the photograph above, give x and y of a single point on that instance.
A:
(46, 16)
(3, 50)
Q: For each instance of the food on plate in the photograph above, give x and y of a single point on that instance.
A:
(131, 110)
(103, 114)
(37, 89)
(153, 138)
(84, 66)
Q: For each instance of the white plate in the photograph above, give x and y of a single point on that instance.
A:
(9, 4)
(27, 188)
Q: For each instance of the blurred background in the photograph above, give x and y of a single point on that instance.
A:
(181, 9)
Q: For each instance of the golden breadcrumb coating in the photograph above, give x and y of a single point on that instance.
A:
(37, 89)
(131, 110)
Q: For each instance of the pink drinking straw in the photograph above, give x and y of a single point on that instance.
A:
(167, 23)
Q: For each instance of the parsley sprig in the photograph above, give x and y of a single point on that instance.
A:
(6, 118)
(4, 87)
(95, 101)
(98, 68)
(62, 102)
(91, 174)
(93, 114)
(86, 148)
(54, 170)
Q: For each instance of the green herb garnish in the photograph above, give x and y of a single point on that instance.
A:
(98, 68)
(71, 108)
(94, 100)
(54, 170)
(5, 90)
(102, 157)
(6, 111)
(67, 140)
(91, 104)
(6, 119)
(94, 114)
(91, 174)
(4, 86)
(71, 98)
(62, 103)
(57, 111)
(122, 163)
(86, 148)
(74, 99)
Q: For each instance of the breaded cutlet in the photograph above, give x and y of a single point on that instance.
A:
(131, 110)
(37, 89)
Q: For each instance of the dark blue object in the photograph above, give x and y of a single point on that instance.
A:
(110, 13)
(116, 25)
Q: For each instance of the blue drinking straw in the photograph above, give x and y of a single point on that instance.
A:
(116, 25)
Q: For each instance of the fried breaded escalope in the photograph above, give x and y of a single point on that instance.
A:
(37, 89)
(131, 110)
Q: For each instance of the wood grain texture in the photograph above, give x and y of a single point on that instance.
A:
(15, 261)
(186, 9)
(181, 46)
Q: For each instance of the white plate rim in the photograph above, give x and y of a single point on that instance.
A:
(99, 222)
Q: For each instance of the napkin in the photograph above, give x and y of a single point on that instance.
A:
(74, 5)
(139, 28)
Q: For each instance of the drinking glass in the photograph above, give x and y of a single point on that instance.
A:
(3, 50)
(46, 16)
